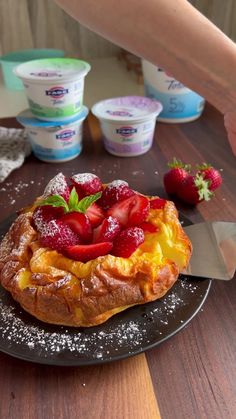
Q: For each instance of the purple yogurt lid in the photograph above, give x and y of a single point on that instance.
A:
(127, 108)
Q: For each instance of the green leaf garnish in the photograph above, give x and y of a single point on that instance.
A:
(54, 201)
(73, 201)
(74, 204)
(87, 201)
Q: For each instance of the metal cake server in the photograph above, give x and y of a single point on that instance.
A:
(214, 250)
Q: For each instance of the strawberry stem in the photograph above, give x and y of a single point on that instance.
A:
(203, 166)
(202, 186)
(178, 164)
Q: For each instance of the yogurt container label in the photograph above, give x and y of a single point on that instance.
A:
(180, 104)
(51, 142)
(57, 146)
(128, 140)
(57, 92)
(66, 134)
(56, 101)
(126, 131)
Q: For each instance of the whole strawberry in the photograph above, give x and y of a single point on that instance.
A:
(211, 174)
(194, 189)
(175, 176)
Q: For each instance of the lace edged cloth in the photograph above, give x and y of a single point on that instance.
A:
(14, 148)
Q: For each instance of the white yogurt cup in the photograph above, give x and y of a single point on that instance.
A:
(127, 124)
(180, 104)
(54, 87)
(54, 142)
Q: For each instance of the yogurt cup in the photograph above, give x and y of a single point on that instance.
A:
(51, 141)
(180, 104)
(127, 124)
(54, 87)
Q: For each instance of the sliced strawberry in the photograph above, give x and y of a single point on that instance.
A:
(106, 231)
(116, 191)
(80, 224)
(121, 211)
(157, 203)
(95, 215)
(58, 235)
(86, 252)
(148, 227)
(127, 242)
(44, 214)
(86, 184)
(132, 211)
(57, 186)
(139, 210)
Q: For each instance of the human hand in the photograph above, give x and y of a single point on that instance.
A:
(230, 125)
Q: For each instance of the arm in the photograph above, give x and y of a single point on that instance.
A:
(173, 35)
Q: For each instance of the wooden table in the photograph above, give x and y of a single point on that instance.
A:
(191, 375)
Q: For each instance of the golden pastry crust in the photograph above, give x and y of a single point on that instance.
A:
(58, 290)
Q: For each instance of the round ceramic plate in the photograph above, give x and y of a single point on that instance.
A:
(129, 333)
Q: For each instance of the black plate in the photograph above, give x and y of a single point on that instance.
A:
(125, 334)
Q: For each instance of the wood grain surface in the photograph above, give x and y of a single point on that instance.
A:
(115, 391)
(192, 375)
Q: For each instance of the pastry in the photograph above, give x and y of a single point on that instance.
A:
(85, 251)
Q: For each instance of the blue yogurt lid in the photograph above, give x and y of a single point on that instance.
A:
(26, 118)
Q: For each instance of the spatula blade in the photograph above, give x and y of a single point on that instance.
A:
(214, 250)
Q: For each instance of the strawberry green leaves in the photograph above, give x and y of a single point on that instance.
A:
(74, 204)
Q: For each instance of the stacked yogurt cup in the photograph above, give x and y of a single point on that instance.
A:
(54, 89)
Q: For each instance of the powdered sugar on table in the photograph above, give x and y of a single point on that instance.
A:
(126, 334)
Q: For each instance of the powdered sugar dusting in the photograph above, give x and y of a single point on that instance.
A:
(112, 225)
(57, 235)
(11, 192)
(117, 183)
(125, 334)
(57, 186)
(83, 178)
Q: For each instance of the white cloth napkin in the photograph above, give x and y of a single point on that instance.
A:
(14, 147)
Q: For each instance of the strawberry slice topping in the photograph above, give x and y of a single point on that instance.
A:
(58, 235)
(86, 252)
(44, 214)
(148, 227)
(86, 184)
(57, 186)
(132, 211)
(95, 215)
(116, 191)
(106, 231)
(157, 203)
(80, 224)
(127, 242)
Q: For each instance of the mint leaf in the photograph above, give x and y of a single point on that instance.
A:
(87, 201)
(73, 200)
(73, 204)
(54, 201)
